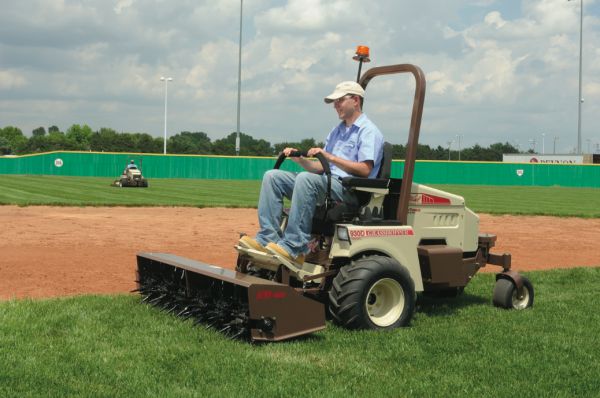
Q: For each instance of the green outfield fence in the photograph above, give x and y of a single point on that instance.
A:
(101, 164)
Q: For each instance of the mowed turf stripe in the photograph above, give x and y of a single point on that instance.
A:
(95, 191)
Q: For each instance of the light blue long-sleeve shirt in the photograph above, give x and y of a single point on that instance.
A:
(360, 142)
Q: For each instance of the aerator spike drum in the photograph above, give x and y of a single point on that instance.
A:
(166, 289)
(237, 304)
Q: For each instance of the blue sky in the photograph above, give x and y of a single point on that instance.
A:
(496, 71)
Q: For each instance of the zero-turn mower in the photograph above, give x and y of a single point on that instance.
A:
(131, 178)
(366, 266)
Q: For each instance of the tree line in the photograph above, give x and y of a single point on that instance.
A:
(83, 138)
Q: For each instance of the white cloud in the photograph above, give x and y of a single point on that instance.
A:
(122, 5)
(308, 15)
(213, 66)
(494, 19)
(10, 80)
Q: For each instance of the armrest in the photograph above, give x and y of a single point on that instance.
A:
(358, 182)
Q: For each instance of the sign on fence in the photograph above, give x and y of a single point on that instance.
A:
(553, 159)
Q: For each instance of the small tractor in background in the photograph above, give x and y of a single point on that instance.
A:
(366, 266)
(131, 178)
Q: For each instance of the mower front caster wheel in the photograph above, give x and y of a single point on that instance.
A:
(506, 294)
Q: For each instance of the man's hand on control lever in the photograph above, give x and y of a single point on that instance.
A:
(288, 151)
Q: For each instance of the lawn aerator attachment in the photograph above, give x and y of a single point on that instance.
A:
(237, 304)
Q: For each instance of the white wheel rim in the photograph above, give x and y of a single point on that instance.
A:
(520, 302)
(385, 302)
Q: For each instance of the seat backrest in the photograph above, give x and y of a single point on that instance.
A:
(385, 170)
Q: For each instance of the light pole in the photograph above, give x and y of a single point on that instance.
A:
(554, 148)
(532, 142)
(543, 143)
(449, 145)
(580, 99)
(237, 137)
(166, 80)
(458, 136)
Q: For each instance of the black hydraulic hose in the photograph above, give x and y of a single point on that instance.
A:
(324, 164)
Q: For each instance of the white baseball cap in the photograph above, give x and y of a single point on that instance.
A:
(345, 88)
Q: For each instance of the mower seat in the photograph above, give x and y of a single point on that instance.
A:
(366, 189)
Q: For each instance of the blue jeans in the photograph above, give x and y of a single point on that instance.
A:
(306, 190)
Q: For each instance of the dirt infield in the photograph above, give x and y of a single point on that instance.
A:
(58, 251)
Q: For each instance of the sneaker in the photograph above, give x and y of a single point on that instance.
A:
(249, 243)
(280, 251)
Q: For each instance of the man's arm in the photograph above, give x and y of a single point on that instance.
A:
(308, 165)
(358, 169)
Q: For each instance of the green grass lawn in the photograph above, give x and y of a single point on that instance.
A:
(114, 346)
(96, 191)
(93, 191)
(554, 201)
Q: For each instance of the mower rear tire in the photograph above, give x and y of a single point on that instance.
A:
(374, 292)
(506, 294)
